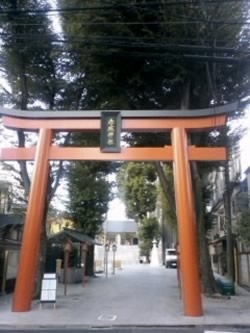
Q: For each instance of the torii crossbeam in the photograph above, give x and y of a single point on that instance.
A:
(178, 122)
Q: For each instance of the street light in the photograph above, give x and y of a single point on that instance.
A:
(106, 258)
(114, 248)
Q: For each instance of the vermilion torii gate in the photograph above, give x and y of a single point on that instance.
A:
(179, 122)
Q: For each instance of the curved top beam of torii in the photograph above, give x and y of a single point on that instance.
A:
(132, 120)
(195, 113)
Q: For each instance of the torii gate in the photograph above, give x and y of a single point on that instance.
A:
(179, 122)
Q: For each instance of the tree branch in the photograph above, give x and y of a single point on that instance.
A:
(5, 90)
(9, 167)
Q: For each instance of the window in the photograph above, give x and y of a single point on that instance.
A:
(171, 252)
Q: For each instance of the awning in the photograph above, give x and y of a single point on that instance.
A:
(10, 220)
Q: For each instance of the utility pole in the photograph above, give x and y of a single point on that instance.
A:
(228, 221)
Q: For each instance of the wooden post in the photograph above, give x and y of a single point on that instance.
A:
(189, 263)
(84, 262)
(67, 250)
(5, 268)
(33, 224)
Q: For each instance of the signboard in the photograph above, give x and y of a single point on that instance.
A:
(48, 292)
(110, 132)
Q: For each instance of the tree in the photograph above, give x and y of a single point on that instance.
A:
(148, 231)
(90, 191)
(166, 199)
(134, 55)
(89, 196)
(138, 190)
(243, 227)
(166, 193)
(30, 65)
(144, 55)
(121, 41)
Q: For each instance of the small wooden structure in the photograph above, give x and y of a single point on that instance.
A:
(67, 237)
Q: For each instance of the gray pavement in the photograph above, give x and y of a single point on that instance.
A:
(121, 330)
(136, 296)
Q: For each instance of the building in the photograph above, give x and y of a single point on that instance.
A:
(11, 227)
(243, 262)
(123, 232)
(216, 206)
(239, 197)
(57, 224)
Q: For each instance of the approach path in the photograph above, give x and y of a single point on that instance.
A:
(136, 296)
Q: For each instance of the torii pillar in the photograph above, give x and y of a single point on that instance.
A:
(188, 247)
(147, 121)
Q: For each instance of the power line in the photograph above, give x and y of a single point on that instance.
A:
(138, 43)
(195, 21)
(115, 6)
(58, 43)
(81, 39)
(166, 56)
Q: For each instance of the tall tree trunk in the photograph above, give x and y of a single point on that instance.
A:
(207, 277)
(167, 190)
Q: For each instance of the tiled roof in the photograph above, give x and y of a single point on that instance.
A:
(74, 236)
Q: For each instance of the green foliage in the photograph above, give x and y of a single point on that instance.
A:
(28, 57)
(148, 231)
(90, 189)
(243, 227)
(89, 192)
(33, 71)
(136, 183)
(142, 65)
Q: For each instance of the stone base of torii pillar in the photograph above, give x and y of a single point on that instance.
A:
(154, 262)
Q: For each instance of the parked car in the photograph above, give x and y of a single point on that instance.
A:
(170, 258)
